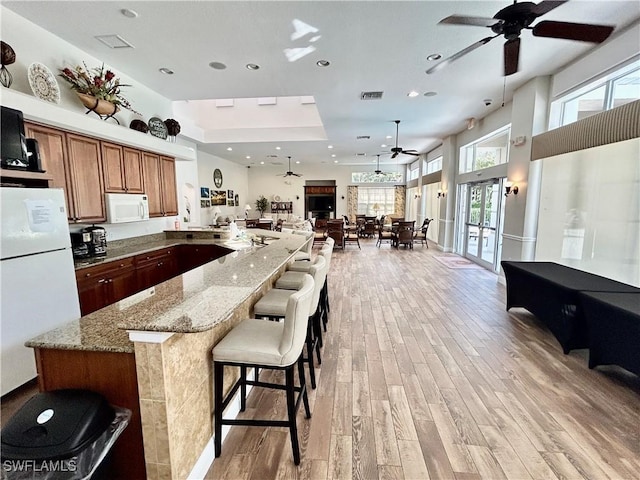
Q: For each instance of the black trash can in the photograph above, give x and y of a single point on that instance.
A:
(61, 435)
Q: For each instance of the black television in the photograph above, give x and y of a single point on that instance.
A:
(322, 203)
(14, 145)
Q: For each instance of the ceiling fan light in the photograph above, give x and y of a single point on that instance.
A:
(433, 57)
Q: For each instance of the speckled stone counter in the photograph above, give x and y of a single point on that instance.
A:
(157, 345)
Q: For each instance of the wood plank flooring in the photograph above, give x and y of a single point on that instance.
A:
(425, 375)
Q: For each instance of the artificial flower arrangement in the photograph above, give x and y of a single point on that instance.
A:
(98, 82)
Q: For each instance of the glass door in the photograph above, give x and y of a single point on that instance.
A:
(483, 204)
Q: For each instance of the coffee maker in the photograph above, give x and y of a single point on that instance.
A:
(89, 242)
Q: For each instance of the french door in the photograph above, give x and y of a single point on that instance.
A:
(482, 224)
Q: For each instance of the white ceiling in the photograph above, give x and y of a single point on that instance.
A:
(372, 46)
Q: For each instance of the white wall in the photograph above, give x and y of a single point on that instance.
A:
(234, 177)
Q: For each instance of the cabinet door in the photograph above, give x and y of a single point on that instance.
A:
(85, 178)
(122, 284)
(169, 193)
(152, 182)
(133, 170)
(53, 154)
(113, 168)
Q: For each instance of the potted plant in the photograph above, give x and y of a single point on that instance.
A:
(98, 89)
(261, 205)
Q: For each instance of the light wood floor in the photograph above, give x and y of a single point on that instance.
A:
(425, 375)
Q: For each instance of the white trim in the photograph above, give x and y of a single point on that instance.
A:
(517, 238)
(207, 456)
(149, 337)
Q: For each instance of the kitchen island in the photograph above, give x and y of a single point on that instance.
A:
(151, 353)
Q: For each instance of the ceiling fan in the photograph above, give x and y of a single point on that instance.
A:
(396, 150)
(289, 172)
(511, 20)
(377, 171)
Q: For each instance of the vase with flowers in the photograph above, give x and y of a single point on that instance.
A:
(98, 89)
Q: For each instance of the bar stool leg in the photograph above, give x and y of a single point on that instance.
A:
(309, 357)
(218, 380)
(291, 409)
(303, 387)
(243, 388)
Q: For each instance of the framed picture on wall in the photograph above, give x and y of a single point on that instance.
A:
(237, 198)
(218, 197)
(204, 192)
(231, 202)
(230, 194)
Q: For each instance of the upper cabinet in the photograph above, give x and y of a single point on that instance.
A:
(85, 179)
(87, 168)
(160, 184)
(122, 168)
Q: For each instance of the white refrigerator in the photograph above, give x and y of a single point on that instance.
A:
(38, 289)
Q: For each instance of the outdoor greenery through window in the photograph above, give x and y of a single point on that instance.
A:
(376, 201)
(372, 177)
(618, 88)
(490, 150)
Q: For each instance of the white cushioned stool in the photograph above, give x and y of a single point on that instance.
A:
(273, 304)
(271, 345)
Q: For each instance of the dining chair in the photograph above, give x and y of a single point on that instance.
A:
(268, 345)
(335, 230)
(404, 234)
(384, 235)
(421, 235)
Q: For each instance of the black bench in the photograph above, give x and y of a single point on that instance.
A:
(550, 291)
(613, 322)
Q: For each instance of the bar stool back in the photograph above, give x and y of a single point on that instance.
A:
(271, 345)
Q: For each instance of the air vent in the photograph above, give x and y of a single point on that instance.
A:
(371, 95)
(361, 154)
(276, 163)
(114, 41)
(363, 137)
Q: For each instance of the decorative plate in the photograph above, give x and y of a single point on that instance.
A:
(276, 198)
(43, 84)
(217, 178)
(157, 128)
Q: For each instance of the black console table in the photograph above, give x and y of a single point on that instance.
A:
(550, 291)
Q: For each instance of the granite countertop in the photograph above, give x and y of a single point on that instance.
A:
(195, 301)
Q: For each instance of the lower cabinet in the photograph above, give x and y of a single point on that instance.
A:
(156, 267)
(110, 282)
(105, 284)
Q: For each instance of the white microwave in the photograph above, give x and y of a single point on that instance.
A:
(125, 207)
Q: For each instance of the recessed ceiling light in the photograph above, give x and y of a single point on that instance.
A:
(335, 161)
(253, 66)
(322, 63)
(384, 145)
(166, 71)
(277, 148)
(218, 65)
(388, 137)
(229, 149)
(262, 163)
(248, 157)
(127, 12)
(297, 161)
(412, 94)
(434, 56)
(329, 146)
(430, 94)
(333, 155)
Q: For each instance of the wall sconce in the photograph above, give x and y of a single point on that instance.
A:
(297, 197)
(441, 194)
(510, 188)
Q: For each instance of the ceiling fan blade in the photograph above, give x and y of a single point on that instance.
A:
(411, 153)
(297, 174)
(582, 32)
(464, 20)
(511, 56)
(410, 150)
(461, 53)
(395, 154)
(546, 6)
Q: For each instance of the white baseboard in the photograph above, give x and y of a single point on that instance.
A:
(207, 456)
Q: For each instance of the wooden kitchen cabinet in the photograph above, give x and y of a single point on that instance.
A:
(192, 256)
(84, 174)
(156, 267)
(160, 184)
(122, 169)
(105, 284)
(52, 145)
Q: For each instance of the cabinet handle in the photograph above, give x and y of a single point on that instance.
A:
(121, 265)
(102, 280)
(87, 274)
(110, 280)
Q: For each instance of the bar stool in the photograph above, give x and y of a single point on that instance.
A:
(305, 252)
(293, 276)
(273, 306)
(272, 345)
